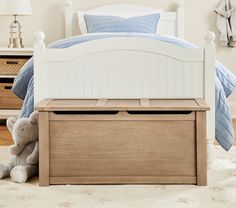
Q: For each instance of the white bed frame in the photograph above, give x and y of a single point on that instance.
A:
(129, 67)
(170, 23)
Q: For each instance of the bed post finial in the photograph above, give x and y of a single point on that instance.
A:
(180, 20)
(210, 37)
(209, 95)
(68, 18)
(39, 37)
(180, 4)
(39, 44)
(68, 3)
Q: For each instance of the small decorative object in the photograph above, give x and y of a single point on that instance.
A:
(24, 161)
(226, 22)
(15, 8)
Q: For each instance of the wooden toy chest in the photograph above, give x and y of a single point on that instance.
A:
(122, 141)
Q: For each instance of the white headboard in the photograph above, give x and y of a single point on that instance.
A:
(171, 23)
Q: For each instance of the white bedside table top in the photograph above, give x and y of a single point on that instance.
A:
(27, 51)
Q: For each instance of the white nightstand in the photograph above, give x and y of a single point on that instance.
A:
(11, 60)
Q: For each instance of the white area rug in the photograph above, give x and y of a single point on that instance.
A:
(221, 194)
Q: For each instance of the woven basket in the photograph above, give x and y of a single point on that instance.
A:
(7, 98)
(11, 66)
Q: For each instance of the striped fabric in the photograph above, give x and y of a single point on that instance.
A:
(114, 24)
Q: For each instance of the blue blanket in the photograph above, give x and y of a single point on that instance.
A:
(225, 82)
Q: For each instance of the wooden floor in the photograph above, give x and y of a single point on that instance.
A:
(5, 136)
(6, 140)
(234, 125)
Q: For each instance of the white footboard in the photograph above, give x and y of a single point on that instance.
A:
(126, 68)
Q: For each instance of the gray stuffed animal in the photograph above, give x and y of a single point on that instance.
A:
(24, 161)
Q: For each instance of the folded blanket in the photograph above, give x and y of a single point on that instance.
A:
(225, 82)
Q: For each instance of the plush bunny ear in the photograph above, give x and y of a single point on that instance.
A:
(10, 123)
(34, 117)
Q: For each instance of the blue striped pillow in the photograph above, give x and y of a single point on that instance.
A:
(113, 24)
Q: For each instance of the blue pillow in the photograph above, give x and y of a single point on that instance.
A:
(113, 24)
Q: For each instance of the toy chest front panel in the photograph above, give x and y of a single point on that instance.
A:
(112, 148)
(112, 141)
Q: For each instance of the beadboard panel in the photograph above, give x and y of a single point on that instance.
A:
(123, 74)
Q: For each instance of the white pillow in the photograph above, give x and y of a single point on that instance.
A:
(82, 23)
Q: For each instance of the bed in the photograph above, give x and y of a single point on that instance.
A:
(127, 66)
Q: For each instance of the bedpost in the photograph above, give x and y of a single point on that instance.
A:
(68, 18)
(209, 95)
(180, 19)
(39, 47)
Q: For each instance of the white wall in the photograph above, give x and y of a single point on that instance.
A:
(49, 17)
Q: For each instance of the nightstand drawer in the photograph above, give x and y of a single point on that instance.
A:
(7, 98)
(11, 65)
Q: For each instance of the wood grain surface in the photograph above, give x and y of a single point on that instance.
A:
(5, 136)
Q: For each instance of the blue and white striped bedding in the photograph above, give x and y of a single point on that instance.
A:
(225, 82)
(113, 24)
